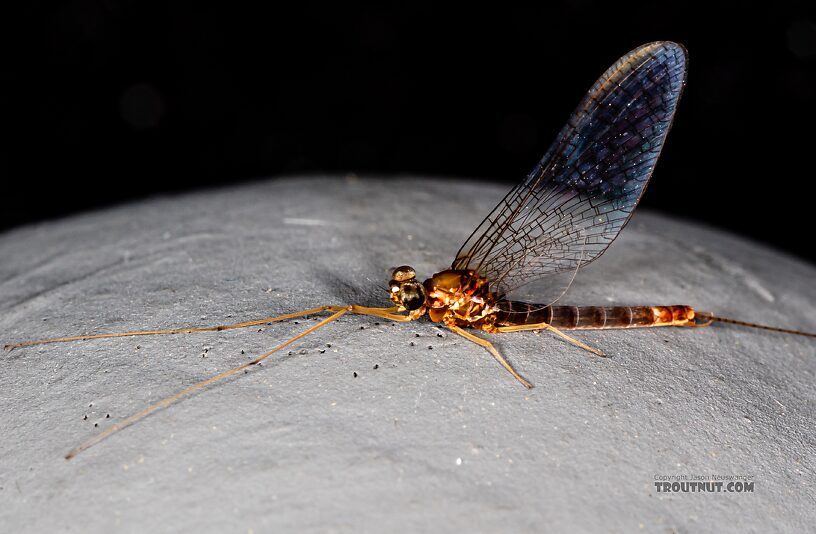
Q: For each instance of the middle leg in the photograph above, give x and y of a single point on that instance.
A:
(496, 354)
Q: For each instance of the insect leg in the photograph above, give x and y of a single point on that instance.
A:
(496, 354)
(388, 313)
(195, 387)
(545, 326)
(385, 313)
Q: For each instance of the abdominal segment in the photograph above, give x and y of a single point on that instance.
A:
(512, 313)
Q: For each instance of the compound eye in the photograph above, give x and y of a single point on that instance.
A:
(413, 302)
(412, 295)
(404, 273)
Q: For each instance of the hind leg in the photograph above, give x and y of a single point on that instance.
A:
(545, 326)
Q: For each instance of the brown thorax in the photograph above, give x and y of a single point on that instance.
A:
(458, 297)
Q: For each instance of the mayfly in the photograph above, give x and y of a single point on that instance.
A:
(561, 217)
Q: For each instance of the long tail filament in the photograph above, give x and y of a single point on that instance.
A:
(707, 316)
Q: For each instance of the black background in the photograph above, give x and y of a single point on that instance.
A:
(104, 102)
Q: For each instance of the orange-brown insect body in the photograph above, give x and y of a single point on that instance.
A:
(461, 298)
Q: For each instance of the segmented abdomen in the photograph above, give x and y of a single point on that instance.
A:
(514, 313)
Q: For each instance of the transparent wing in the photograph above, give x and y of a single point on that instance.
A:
(582, 193)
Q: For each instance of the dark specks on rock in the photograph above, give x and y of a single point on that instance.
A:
(355, 374)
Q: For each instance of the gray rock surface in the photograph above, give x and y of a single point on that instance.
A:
(434, 439)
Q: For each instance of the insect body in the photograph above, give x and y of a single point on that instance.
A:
(463, 299)
(520, 260)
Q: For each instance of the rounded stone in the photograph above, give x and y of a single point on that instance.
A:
(441, 439)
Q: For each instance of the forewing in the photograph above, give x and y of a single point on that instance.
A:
(578, 198)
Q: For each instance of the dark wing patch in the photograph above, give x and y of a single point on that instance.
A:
(582, 193)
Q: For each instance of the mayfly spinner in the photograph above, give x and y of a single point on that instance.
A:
(561, 217)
